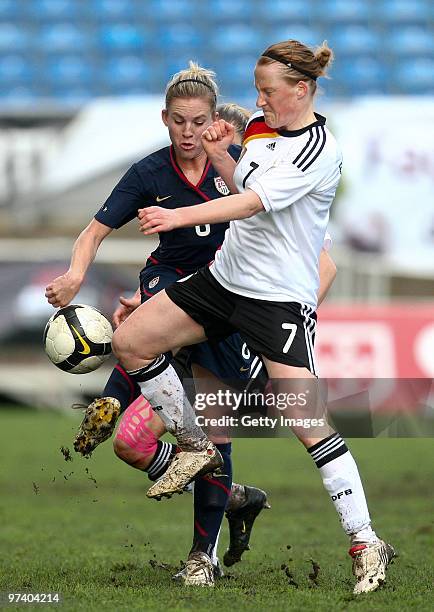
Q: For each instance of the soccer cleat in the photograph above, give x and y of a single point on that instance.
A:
(185, 467)
(199, 570)
(217, 571)
(370, 562)
(97, 425)
(241, 521)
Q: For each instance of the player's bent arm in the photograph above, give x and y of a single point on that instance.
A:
(63, 288)
(239, 206)
(327, 274)
(215, 140)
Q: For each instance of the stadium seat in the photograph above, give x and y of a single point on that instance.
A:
(64, 37)
(15, 69)
(405, 11)
(361, 75)
(415, 76)
(70, 71)
(354, 39)
(55, 10)
(128, 70)
(282, 10)
(239, 72)
(237, 38)
(107, 10)
(410, 40)
(349, 11)
(170, 10)
(178, 37)
(10, 10)
(13, 38)
(123, 36)
(228, 9)
(306, 34)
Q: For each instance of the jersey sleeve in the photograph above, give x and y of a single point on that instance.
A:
(124, 201)
(284, 183)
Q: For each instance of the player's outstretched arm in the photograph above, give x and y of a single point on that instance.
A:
(62, 289)
(153, 219)
(327, 274)
(216, 140)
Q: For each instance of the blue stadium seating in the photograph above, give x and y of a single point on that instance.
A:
(410, 40)
(70, 71)
(174, 39)
(10, 10)
(114, 10)
(354, 39)
(127, 71)
(360, 76)
(345, 11)
(237, 38)
(306, 34)
(229, 9)
(13, 38)
(54, 10)
(167, 10)
(75, 49)
(64, 37)
(123, 37)
(415, 76)
(281, 10)
(405, 11)
(238, 73)
(15, 69)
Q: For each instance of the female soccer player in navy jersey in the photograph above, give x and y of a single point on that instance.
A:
(283, 186)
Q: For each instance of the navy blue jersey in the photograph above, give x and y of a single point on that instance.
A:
(157, 180)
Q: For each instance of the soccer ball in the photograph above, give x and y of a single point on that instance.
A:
(77, 339)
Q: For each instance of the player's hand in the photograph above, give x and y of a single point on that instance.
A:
(62, 290)
(128, 305)
(217, 138)
(155, 219)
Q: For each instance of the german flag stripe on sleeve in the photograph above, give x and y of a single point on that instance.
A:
(257, 128)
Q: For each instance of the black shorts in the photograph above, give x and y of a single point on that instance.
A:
(229, 359)
(281, 331)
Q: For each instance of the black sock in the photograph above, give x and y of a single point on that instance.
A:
(162, 458)
(211, 493)
(122, 387)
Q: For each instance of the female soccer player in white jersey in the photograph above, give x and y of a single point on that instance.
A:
(283, 186)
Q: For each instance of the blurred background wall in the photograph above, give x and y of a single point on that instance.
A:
(81, 84)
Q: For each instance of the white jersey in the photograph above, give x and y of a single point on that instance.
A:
(274, 254)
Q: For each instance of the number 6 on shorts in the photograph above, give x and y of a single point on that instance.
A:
(292, 331)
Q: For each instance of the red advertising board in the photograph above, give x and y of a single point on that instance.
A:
(381, 341)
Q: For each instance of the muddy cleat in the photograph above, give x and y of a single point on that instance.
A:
(241, 519)
(217, 570)
(370, 562)
(98, 424)
(185, 467)
(199, 570)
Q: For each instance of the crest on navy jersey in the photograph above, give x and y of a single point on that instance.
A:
(154, 282)
(221, 186)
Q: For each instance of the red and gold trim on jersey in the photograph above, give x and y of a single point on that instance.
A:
(258, 129)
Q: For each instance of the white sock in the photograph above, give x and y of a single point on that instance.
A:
(341, 480)
(161, 386)
(213, 555)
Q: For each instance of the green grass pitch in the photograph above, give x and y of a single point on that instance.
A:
(85, 529)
